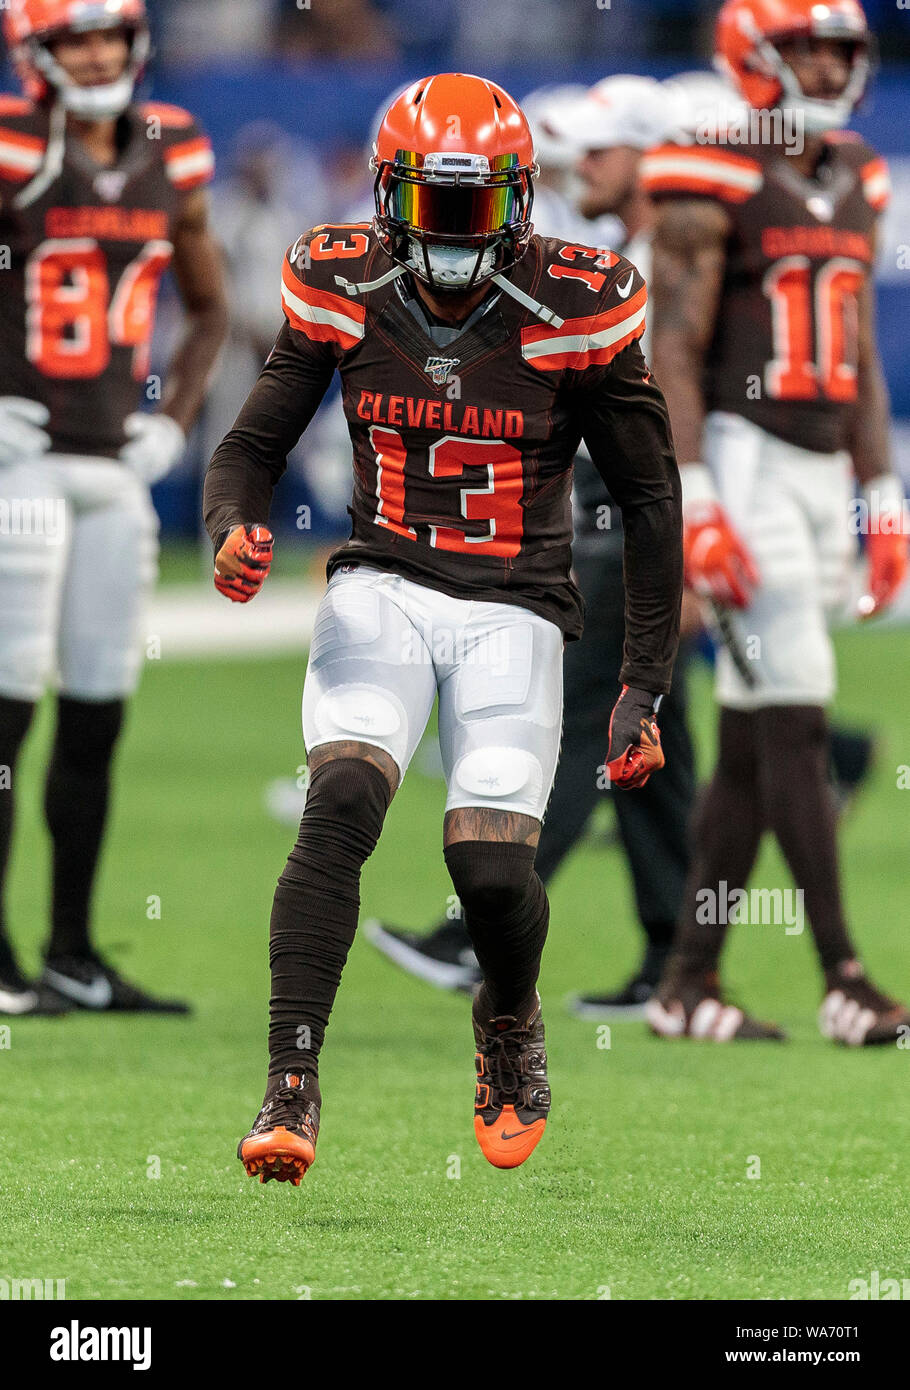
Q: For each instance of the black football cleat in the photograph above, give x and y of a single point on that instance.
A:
(444, 958)
(628, 1002)
(282, 1142)
(856, 1013)
(20, 999)
(88, 982)
(512, 1096)
(690, 1004)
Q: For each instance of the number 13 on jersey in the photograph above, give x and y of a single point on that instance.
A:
(498, 503)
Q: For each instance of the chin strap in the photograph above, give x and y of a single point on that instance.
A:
(52, 164)
(539, 310)
(366, 285)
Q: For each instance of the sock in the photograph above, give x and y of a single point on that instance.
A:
(727, 832)
(75, 805)
(507, 914)
(314, 914)
(15, 717)
(792, 749)
(657, 952)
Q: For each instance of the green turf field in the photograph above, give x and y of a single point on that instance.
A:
(640, 1187)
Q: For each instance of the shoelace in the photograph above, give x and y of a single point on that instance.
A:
(284, 1108)
(502, 1053)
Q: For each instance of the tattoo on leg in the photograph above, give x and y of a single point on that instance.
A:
(350, 748)
(481, 823)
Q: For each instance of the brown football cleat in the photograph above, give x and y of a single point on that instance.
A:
(512, 1097)
(857, 1014)
(689, 1004)
(282, 1142)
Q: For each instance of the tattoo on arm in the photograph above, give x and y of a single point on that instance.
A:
(686, 281)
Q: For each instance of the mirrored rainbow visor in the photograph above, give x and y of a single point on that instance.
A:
(456, 195)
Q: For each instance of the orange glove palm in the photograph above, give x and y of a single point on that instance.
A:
(717, 564)
(634, 751)
(887, 554)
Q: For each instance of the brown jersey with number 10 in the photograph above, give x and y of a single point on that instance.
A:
(88, 246)
(784, 352)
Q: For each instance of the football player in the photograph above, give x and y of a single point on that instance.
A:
(473, 357)
(603, 132)
(764, 339)
(98, 195)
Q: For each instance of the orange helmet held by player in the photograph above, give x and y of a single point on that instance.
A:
(454, 164)
(746, 44)
(31, 26)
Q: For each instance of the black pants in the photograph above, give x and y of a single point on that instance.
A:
(653, 822)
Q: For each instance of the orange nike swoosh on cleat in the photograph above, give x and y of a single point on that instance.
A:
(508, 1143)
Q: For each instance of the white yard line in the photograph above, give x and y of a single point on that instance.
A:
(192, 621)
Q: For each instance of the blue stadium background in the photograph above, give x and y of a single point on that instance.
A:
(320, 70)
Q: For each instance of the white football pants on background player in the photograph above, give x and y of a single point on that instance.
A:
(791, 508)
(383, 646)
(78, 558)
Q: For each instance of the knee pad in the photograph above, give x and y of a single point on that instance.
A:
(346, 803)
(490, 878)
(500, 775)
(87, 731)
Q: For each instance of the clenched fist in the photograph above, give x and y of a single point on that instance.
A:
(243, 562)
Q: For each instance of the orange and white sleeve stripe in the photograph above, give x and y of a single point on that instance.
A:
(20, 155)
(733, 178)
(585, 342)
(190, 163)
(321, 316)
(876, 183)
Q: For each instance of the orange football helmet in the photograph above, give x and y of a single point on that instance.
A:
(29, 27)
(746, 49)
(454, 164)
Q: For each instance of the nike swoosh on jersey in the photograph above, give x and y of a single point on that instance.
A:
(624, 293)
(97, 995)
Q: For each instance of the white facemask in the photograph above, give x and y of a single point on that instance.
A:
(817, 116)
(93, 103)
(452, 266)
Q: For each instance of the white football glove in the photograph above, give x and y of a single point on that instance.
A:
(155, 444)
(21, 435)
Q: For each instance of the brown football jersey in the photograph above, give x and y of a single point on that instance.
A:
(463, 453)
(784, 352)
(87, 248)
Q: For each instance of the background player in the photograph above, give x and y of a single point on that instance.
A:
(98, 195)
(764, 338)
(444, 588)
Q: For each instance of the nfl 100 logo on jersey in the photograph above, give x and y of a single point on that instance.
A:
(438, 369)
